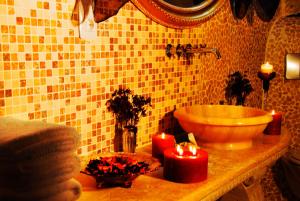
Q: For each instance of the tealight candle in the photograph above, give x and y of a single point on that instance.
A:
(185, 165)
(274, 127)
(266, 68)
(160, 143)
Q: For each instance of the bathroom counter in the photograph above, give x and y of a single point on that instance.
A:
(226, 170)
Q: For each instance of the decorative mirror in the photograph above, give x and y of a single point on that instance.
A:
(171, 13)
(178, 13)
(292, 66)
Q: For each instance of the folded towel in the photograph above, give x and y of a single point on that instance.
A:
(70, 195)
(32, 167)
(66, 191)
(25, 185)
(39, 151)
(40, 174)
(20, 138)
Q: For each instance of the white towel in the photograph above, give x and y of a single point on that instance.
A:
(51, 162)
(69, 195)
(66, 191)
(41, 150)
(40, 174)
(32, 139)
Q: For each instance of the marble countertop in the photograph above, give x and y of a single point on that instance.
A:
(226, 170)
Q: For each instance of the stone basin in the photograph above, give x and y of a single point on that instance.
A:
(223, 126)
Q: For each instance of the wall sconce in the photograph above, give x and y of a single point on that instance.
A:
(266, 74)
(266, 78)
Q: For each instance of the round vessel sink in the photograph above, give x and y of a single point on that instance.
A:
(223, 126)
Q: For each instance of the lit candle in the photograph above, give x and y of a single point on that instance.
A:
(274, 127)
(179, 150)
(185, 165)
(160, 143)
(193, 150)
(266, 68)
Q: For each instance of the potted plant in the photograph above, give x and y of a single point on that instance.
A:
(238, 87)
(127, 109)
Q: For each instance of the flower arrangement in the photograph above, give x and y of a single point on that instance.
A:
(238, 87)
(110, 169)
(115, 170)
(127, 109)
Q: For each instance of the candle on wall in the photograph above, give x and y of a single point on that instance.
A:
(266, 68)
(160, 143)
(274, 127)
(185, 165)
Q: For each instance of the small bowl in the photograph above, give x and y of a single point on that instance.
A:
(104, 181)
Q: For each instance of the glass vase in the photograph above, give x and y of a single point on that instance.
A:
(118, 139)
(129, 139)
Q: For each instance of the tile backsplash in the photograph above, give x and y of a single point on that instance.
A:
(48, 73)
(284, 95)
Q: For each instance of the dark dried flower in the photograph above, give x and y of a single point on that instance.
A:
(238, 87)
(128, 108)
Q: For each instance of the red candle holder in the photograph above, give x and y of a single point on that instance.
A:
(160, 143)
(185, 165)
(274, 127)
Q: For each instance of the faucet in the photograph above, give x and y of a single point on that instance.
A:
(203, 49)
(188, 51)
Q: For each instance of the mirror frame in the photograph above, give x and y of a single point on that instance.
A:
(178, 17)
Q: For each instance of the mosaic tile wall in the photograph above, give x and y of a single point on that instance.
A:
(48, 73)
(284, 95)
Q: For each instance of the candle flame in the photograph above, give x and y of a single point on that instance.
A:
(179, 150)
(193, 150)
(273, 112)
(163, 135)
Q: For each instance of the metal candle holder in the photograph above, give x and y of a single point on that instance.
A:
(266, 78)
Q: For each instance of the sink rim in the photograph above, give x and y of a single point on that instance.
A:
(263, 117)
